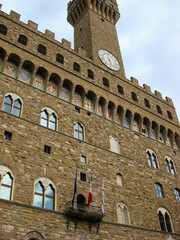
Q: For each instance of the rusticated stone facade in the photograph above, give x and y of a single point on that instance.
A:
(125, 141)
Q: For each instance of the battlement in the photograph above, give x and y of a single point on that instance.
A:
(49, 35)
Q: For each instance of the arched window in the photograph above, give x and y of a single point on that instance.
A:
(158, 109)
(120, 89)
(44, 194)
(164, 220)
(78, 131)
(22, 39)
(49, 119)
(76, 67)
(159, 190)
(42, 49)
(134, 96)
(3, 29)
(6, 187)
(170, 165)
(152, 159)
(146, 102)
(90, 74)
(114, 145)
(59, 58)
(169, 115)
(177, 194)
(34, 235)
(105, 82)
(123, 214)
(13, 105)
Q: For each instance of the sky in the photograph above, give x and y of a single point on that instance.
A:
(148, 31)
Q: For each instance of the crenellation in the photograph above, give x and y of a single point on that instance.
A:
(147, 88)
(158, 94)
(169, 101)
(135, 81)
(49, 34)
(66, 44)
(14, 15)
(33, 25)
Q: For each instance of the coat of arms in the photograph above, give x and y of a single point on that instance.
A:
(51, 88)
(25, 76)
(38, 82)
(88, 104)
(10, 69)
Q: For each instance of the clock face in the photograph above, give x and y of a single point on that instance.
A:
(109, 60)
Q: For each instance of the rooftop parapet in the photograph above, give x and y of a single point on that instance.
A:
(15, 16)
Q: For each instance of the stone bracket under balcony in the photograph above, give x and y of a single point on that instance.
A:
(90, 214)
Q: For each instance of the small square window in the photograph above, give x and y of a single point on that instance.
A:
(83, 177)
(88, 113)
(77, 109)
(7, 135)
(47, 149)
(83, 159)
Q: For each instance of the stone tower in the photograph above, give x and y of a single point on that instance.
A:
(94, 30)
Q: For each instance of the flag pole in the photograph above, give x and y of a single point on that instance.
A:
(75, 190)
(103, 196)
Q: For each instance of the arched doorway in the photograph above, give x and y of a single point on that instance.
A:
(81, 202)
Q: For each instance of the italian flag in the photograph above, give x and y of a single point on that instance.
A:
(90, 191)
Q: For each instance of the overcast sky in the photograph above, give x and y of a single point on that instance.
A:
(149, 35)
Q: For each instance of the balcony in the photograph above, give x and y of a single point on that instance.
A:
(79, 212)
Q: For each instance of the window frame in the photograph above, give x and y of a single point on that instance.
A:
(14, 98)
(3, 171)
(159, 190)
(79, 132)
(49, 112)
(152, 159)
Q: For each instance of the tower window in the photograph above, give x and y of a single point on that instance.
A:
(158, 109)
(59, 58)
(78, 131)
(83, 159)
(76, 67)
(47, 149)
(169, 115)
(164, 220)
(90, 74)
(48, 119)
(83, 177)
(177, 194)
(120, 89)
(42, 49)
(134, 96)
(11, 106)
(105, 82)
(7, 135)
(3, 29)
(146, 102)
(22, 39)
(158, 188)
(152, 160)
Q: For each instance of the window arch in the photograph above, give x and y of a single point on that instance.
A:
(3, 29)
(22, 39)
(60, 58)
(49, 118)
(164, 220)
(147, 104)
(42, 49)
(90, 74)
(134, 96)
(114, 145)
(159, 190)
(169, 115)
(170, 165)
(34, 235)
(158, 109)
(76, 67)
(78, 131)
(44, 194)
(105, 82)
(177, 194)
(13, 104)
(152, 159)
(6, 183)
(120, 89)
(123, 213)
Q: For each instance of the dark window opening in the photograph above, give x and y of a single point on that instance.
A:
(83, 177)
(88, 113)
(60, 58)
(90, 74)
(47, 149)
(42, 49)
(77, 109)
(120, 89)
(170, 115)
(134, 96)
(7, 135)
(3, 29)
(158, 109)
(22, 39)
(76, 67)
(146, 102)
(105, 82)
